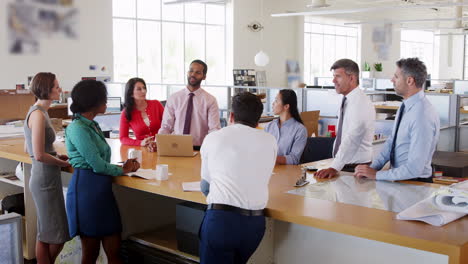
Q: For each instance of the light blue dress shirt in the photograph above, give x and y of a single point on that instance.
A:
(415, 144)
(291, 138)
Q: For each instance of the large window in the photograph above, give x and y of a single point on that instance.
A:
(323, 45)
(420, 44)
(465, 62)
(157, 42)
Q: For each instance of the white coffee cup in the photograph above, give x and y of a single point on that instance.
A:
(162, 172)
(135, 154)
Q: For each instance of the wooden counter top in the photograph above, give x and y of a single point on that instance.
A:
(386, 107)
(374, 224)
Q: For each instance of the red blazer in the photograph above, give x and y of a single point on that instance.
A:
(154, 110)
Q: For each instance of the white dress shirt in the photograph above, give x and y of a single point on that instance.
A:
(358, 130)
(237, 162)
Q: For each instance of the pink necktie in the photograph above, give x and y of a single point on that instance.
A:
(188, 115)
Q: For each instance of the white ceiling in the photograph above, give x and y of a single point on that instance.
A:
(398, 14)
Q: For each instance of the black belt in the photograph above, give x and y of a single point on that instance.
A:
(429, 180)
(351, 166)
(238, 210)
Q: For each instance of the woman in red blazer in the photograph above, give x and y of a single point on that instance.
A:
(142, 116)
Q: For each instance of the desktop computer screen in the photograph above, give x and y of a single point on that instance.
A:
(69, 102)
(113, 105)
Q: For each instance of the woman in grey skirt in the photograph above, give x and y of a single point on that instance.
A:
(45, 183)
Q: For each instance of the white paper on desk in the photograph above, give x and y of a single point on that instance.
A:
(144, 173)
(10, 131)
(453, 198)
(428, 212)
(191, 186)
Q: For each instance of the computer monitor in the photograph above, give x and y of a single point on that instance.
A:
(114, 104)
(69, 102)
(383, 84)
(11, 238)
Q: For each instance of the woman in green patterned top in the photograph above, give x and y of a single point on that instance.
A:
(91, 207)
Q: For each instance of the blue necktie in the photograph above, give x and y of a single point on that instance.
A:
(392, 151)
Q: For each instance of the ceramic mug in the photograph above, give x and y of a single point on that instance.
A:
(134, 153)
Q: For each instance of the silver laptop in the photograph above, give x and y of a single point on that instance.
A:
(175, 145)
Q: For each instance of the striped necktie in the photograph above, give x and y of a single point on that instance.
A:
(340, 128)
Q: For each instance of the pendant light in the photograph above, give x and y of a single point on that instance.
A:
(261, 58)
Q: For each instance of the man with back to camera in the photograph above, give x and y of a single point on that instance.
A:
(415, 132)
(237, 163)
(355, 129)
(191, 111)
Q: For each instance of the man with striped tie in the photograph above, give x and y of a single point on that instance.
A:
(415, 133)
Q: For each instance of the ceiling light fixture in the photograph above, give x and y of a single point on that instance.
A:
(452, 34)
(261, 58)
(406, 21)
(318, 4)
(367, 9)
(171, 2)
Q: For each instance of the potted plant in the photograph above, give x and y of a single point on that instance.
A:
(378, 69)
(366, 71)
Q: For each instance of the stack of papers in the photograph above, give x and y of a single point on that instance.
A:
(388, 103)
(191, 186)
(444, 206)
(11, 131)
(453, 198)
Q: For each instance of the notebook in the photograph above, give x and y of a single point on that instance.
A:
(191, 186)
(175, 145)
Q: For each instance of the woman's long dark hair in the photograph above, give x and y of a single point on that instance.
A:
(129, 104)
(289, 97)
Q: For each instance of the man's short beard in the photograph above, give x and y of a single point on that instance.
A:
(195, 84)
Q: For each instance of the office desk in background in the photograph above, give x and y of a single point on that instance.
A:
(300, 229)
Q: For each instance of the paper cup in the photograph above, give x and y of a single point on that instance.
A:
(162, 172)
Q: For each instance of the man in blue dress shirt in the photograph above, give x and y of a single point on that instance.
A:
(415, 133)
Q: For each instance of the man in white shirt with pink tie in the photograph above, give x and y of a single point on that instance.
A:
(191, 111)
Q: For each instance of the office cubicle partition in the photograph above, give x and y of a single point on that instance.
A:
(11, 238)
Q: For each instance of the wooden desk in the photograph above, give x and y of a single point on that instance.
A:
(15, 106)
(58, 111)
(386, 107)
(357, 221)
(451, 163)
